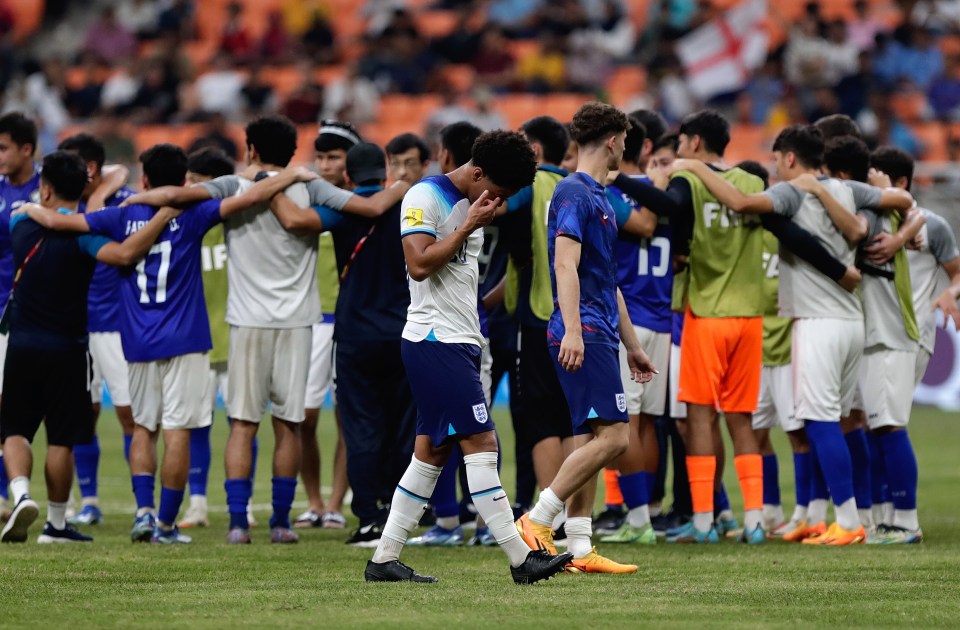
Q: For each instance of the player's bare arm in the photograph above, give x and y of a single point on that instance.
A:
(136, 246)
(178, 196)
(425, 255)
(53, 220)
(495, 296)
(566, 263)
(641, 367)
(886, 245)
(725, 192)
(264, 190)
(853, 226)
(293, 218)
(113, 177)
(947, 300)
(640, 223)
(378, 204)
(891, 197)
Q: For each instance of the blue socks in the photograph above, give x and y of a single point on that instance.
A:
(143, 488)
(879, 488)
(200, 456)
(801, 477)
(635, 488)
(254, 450)
(771, 480)
(826, 439)
(170, 501)
(860, 460)
(902, 471)
(86, 459)
(444, 499)
(283, 491)
(238, 495)
(127, 441)
(4, 480)
(818, 484)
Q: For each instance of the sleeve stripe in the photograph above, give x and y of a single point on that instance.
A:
(418, 231)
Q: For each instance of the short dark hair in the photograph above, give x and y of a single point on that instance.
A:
(550, 134)
(274, 137)
(654, 123)
(711, 126)
(836, 125)
(87, 147)
(595, 121)
(804, 141)
(22, 130)
(458, 139)
(66, 173)
(406, 141)
(756, 168)
(894, 162)
(210, 162)
(667, 141)
(633, 145)
(506, 158)
(849, 155)
(164, 165)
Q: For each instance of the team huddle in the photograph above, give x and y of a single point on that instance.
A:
(631, 285)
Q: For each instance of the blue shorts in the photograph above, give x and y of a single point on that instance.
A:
(595, 391)
(445, 380)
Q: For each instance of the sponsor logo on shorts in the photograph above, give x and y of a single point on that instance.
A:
(621, 402)
(414, 217)
(480, 413)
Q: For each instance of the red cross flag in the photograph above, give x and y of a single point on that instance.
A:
(720, 55)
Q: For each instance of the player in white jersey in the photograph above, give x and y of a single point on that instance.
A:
(441, 225)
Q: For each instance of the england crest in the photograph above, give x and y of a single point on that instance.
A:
(480, 413)
(621, 402)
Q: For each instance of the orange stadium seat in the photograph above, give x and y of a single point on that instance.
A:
(910, 105)
(436, 23)
(27, 15)
(747, 142)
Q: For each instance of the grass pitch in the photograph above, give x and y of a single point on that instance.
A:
(113, 583)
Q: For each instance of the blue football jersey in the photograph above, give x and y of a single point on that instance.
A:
(162, 310)
(580, 210)
(645, 271)
(103, 301)
(11, 198)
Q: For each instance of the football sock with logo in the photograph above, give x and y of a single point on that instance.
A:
(86, 458)
(200, 457)
(143, 489)
(170, 501)
(903, 475)
(750, 473)
(826, 439)
(493, 505)
(546, 509)
(284, 489)
(635, 489)
(613, 498)
(701, 470)
(238, 495)
(409, 502)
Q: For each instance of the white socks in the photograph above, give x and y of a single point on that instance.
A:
(448, 522)
(703, 521)
(19, 486)
(883, 513)
(546, 509)
(198, 501)
(817, 511)
(639, 516)
(773, 514)
(906, 518)
(57, 514)
(409, 502)
(752, 519)
(579, 529)
(847, 516)
(799, 513)
(866, 517)
(493, 505)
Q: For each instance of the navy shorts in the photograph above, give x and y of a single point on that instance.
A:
(445, 379)
(595, 391)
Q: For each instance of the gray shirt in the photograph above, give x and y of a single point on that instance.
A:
(323, 193)
(804, 291)
(938, 247)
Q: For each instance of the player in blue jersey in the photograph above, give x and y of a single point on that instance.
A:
(48, 375)
(583, 332)
(165, 331)
(441, 226)
(104, 188)
(19, 183)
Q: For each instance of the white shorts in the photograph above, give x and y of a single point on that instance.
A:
(268, 365)
(486, 371)
(218, 383)
(923, 360)
(3, 358)
(775, 404)
(649, 398)
(171, 393)
(109, 365)
(677, 409)
(320, 377)
(886, 380)
(826, 361)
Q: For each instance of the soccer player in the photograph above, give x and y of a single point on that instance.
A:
(588, 311)
(103, 323)
(440, 225)
(19, 184)
(48, 376)
(165, 332)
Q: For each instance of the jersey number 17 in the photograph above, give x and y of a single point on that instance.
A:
(163, 249)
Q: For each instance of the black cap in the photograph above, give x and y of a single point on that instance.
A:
(366, 162)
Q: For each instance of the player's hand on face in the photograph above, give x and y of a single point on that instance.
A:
(641, 367)
(571, 352)
(482, 211)
(658, 175)
(851, 279)
(883, 248)
(948, 305)
(878, 179)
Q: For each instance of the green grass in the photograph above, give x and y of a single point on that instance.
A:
(319, 582)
